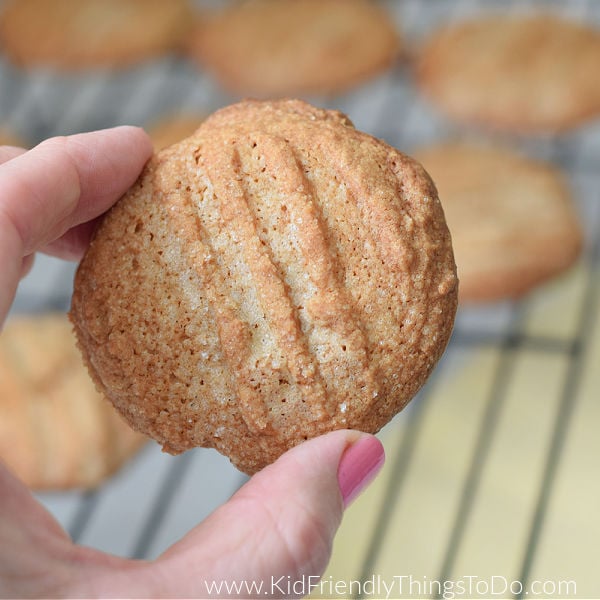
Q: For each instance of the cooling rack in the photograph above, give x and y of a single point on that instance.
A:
(492, 474)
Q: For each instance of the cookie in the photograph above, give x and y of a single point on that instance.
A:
(87, 33)
(533, 73)
(267, 48)
(7, 138)
(275, 276)
(512, 219)
(173, 129)
(56, 430)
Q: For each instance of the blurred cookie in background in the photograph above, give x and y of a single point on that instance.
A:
(283, 47)
(512, 219)
(56, 430)
(88, 33)
(530, 74)
(173, 128)
(8, 138)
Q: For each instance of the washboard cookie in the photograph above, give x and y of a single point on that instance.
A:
(273, 277)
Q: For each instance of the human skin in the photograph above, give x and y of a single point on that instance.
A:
(281, 523)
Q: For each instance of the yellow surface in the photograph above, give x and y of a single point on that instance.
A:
(553, 311)
(525, 401)
(570, 542)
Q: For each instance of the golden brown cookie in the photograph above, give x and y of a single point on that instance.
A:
(169, 130)
(7, 138)
(275, 276)
(56, 430)
(271, 48)
(522, 73)
(512, 219)
(83, 33)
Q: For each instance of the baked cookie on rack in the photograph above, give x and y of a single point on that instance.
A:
(8, 138)
(275, 276)
(56, 430)
(512, 219)
(173, 128)
(270, 48)
(91, 33)
(530, 74)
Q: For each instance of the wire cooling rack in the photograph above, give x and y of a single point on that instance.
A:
(491, 486)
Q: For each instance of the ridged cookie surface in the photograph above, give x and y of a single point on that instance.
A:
(56, 430)
(275, 276)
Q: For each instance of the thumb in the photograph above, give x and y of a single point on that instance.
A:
(279, 527)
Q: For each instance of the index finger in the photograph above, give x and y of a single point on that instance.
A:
(60, 184)
(65, 181)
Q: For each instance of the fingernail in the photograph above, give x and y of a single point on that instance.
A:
(358, 466)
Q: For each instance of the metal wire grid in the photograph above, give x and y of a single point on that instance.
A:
(157, 498)
(509, 343)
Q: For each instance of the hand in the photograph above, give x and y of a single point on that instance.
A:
(276, 529)
(52, 195)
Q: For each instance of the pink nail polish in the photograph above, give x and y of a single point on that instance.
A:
(358, 466)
